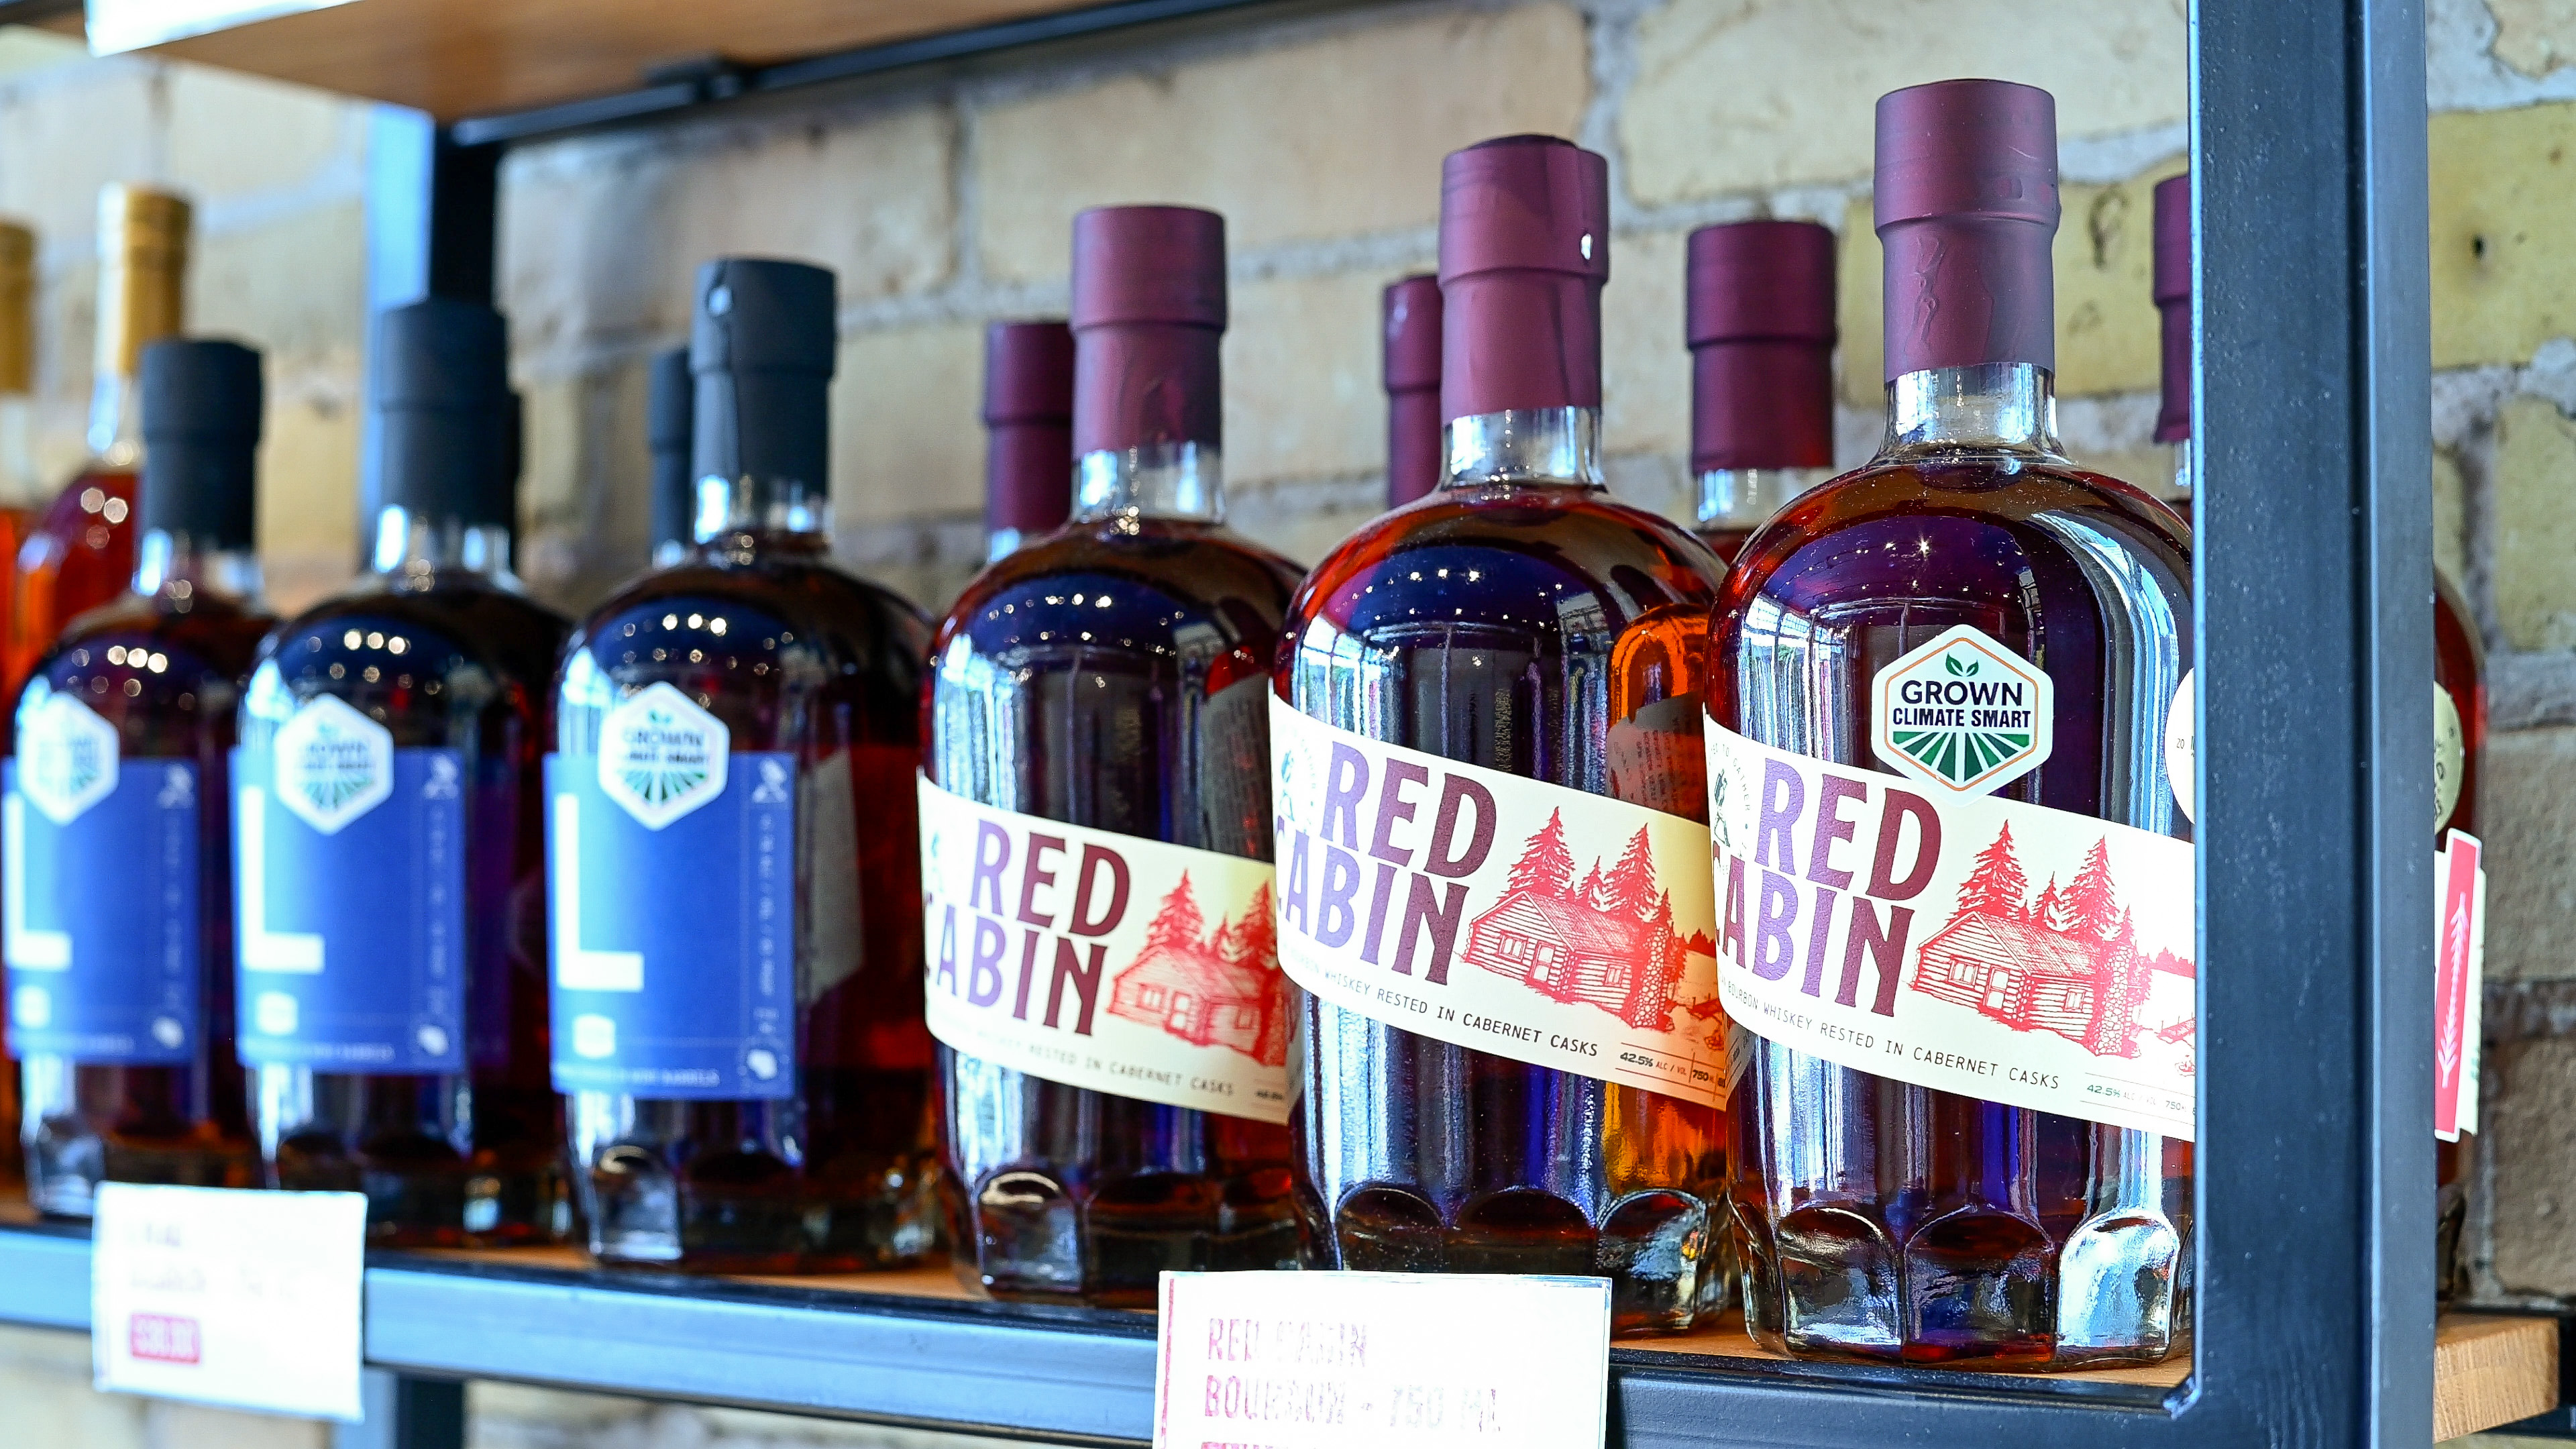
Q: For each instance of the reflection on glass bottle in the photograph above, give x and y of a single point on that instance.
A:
(1878, 1219)
(742, 1049)
(1520, 620)
(1760, 302)
(79, 551)
(389, 835)
(1113, 676)
(117, 851)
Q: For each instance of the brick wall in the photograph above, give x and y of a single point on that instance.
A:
(944, 202)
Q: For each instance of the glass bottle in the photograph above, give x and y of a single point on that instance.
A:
(1878, 1219)
(117, 856)
(1113, 677)
(1028, 434)
(2459, 750)
(669, 404)
(1520, 620)
(79, 552)
(2172, 283)
(389, 840)
(21, 493)
(742, 1051)
(1411, 311)
(1759, 297)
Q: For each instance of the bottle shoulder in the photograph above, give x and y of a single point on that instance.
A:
(1156, 589)
(162, 675)
(1957, 528)
(419, 656)
(1510, 557)
(832, 607)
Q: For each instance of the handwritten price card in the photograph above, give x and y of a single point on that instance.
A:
(1364, 1360)
(248, 1299)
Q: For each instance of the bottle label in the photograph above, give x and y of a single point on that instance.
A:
(1488, 910)
(671, 886)
(2450, 756)
(2459, 982)
(1897, 932)
(98, 893)
(1962, 714)
(2182, 745)
(349, 897)
(1100, 960)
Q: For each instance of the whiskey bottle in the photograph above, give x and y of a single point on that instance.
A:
(1028, 434)
(2459, 750)
(1095, 822)
(1492, 839)
(79, 552)
(22, 494)
(1760, 302)
(117, 859)
(669, 401)
(741, 1049)
(1411, 311)
(1964, 1105)
(388, 836)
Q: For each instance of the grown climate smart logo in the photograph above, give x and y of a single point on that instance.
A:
(1963, 713)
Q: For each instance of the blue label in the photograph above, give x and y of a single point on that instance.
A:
(349, 881)
(674, 944)
(102, 927)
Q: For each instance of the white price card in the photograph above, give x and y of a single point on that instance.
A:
(247, 1299)
(1380, 1360)
(116, 26)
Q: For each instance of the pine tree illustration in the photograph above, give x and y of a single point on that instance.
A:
(1256, 936)
(2043, 910)
(1631, 883)
(1995, 884)
(1545, 868)
(1650, 1005)
(1589, 893)
(1177, 925)
(2093, 908)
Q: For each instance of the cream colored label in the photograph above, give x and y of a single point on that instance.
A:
(2450, 757)
(1962, 942)
(1486, 910)
(2182, 749)
(1101, 960)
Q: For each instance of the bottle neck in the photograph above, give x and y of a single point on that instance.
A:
(1153, 480)
(1991, 407)
(740, 517)
(20, 485)
(180, 569)
(1001, 543)
(416, 547)
(1533, 446)
(1743, 498)
(2182, 468)
(116, 421)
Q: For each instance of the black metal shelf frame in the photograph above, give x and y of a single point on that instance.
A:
(2314, 1202)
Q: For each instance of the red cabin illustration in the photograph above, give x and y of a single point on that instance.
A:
(2068, 963)
(1607, 943)
(1219, 989)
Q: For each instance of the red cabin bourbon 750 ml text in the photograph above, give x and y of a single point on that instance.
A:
(1095, 818)
(1954, 889)
(1491, 850)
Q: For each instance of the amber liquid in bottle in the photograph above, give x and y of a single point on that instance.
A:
(1734, 503)
(442, 649)
(1521, 620)
(1145, 717)
(165, 668)
(1880, 1220)
(792, 655)
(2459, 670)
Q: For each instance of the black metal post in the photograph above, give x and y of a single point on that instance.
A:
(405, 1413)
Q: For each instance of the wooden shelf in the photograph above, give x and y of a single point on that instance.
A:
(458, 58)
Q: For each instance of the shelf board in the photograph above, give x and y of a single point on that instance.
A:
(460, 58)
(915, 1348)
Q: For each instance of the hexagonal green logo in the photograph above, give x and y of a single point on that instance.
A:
(1962, 712)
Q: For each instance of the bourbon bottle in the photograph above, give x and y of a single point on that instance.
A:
(79, 552)
(1963, 1111)
(741, 1048)
(1488, 694)
(1113, 1026)
(1760, 300)
(670, 400)
(388, 834)
(1028, 434)
(117, 852)
(1412, 319)
(2459, 749)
